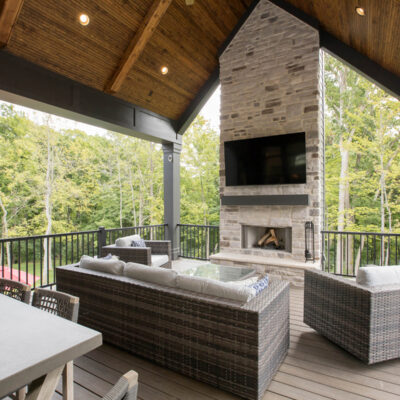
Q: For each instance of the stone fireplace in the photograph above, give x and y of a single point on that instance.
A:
(271, 84)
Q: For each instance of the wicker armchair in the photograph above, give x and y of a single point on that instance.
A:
(125, 389)
(65, 306)
(141, 255)
(364, 321)
(16, 290)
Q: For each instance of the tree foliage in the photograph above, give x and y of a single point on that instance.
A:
(111, 180)
(362, 129)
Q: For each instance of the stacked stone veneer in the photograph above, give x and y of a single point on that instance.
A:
(271, 85)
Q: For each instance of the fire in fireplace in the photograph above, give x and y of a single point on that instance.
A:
(267, 238)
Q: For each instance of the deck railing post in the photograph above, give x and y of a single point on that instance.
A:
(101, 239)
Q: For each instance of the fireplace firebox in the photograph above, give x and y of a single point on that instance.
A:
(267, 238)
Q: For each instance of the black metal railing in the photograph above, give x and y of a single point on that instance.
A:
(146, 232)
(344, 252)
(33, 259)
(198, 241)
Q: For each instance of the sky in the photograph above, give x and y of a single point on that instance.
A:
(210, 111)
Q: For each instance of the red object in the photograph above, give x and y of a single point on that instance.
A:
(22, 276)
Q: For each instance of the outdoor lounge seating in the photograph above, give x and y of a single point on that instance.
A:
(235, 346)
(363, 320)
(156, 253)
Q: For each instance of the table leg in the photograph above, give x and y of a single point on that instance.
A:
(21, 393)
(44, 387)
(68, 381)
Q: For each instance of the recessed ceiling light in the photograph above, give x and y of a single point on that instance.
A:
(164, 70)
(84, 19)
(360, 11)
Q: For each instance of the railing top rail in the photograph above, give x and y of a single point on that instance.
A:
(135, 227)
(52, 235)
(200, 226)
(361, 233)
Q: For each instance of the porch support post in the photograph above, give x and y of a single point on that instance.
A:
(172, 152)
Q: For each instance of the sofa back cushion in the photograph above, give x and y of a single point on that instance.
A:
(161, 276)
(110, 266)
(213, 287)
(126, 241)
(372, 275)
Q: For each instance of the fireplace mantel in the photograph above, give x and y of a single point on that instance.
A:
(266, 200)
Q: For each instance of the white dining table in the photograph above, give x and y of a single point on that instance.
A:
(35, 343)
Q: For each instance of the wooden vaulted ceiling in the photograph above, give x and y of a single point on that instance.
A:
(127, 42)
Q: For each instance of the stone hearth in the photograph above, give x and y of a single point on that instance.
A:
(271, 85)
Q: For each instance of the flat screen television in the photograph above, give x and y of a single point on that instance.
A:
(270, 160)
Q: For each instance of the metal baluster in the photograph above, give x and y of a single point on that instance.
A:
(19, 260)
(48, 259)
(34, 262)
(2, 259)
(41, 261)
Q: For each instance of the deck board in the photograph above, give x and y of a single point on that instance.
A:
(315, 369)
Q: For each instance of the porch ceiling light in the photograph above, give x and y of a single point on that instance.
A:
(84, 19)
(164, 70)
(360, 11)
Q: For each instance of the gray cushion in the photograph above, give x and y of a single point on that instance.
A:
(372, 275)
(162, 276)
(213, 287)
(126, 241)
(111, 266)
(158, 260)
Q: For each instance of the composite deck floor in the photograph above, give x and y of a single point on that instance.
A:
(315, 369)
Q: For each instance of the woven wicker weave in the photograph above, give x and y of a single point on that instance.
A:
(235, 347)
(16, 290)
(363, 321)
(58, 303)
(141, 255)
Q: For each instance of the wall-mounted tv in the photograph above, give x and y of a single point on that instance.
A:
(270, 160)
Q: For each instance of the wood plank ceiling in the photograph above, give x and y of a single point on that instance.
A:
(128, 41)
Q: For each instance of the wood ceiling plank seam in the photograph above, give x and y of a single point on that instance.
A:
(155, 87)
(138, 43)
(224, 14)
(181, 54)
(177, 26)
(166, 81)
(9, 13)
(177, 76)
(158, 102)
(237, 7)
(76, 58)
(78, 35)
(205, 21)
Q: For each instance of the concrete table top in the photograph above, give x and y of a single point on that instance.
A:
(34, 342)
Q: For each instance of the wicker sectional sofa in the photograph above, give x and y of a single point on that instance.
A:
(364, 321)
(235, 347)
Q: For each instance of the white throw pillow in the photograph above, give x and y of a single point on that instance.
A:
(213, 287)
(126, 241)
(162, 276)
(111, 266)
(244, 282)
(372, 275)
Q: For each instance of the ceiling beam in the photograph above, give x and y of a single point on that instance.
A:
(137, 44)
(29, 85)
(9, 11)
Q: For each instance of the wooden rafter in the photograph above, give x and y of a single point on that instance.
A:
(138, 43)
(9, 11)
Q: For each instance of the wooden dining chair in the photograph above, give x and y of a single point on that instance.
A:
(66, 306)
(125, 389)
(16, 290)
